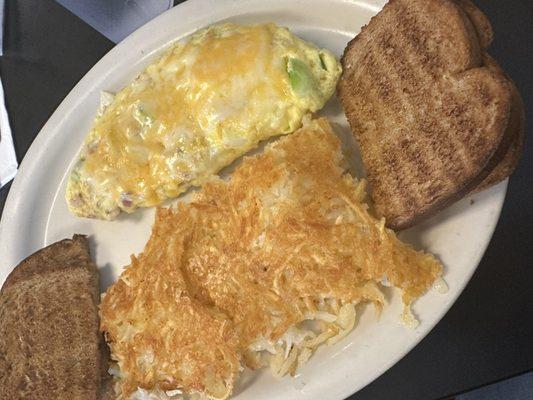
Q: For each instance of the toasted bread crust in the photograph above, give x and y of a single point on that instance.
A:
(479, 20)
(50, 347)
(511, 147)
(513, 151)
(68, 253)
(428, 116)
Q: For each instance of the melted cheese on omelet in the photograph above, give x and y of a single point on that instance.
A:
(287, 240)
(195, 110)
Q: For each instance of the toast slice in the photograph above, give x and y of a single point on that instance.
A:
(430, 118)
(50, 346)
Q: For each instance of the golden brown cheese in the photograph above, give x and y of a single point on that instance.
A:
(287, 233)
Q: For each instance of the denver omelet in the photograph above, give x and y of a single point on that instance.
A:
(201, 105)
(283, 253)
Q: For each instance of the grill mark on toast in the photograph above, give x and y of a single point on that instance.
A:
(412, 39)
(387, 93)
(413, 73)
(417, 165)
(417, 40)
(399, 73)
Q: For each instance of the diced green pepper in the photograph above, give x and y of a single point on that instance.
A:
(300, 76)
(322, 62)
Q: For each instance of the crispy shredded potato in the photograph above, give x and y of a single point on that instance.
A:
(267, 266)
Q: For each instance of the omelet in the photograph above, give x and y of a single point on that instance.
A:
(283, 252)
(201, 105)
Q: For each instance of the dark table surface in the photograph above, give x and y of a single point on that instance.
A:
(488, 333)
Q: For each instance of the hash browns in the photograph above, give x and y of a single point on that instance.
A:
(288, 239)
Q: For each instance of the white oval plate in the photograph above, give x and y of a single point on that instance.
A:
(36, 215)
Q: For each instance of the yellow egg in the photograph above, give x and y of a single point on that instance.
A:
(200, 106)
